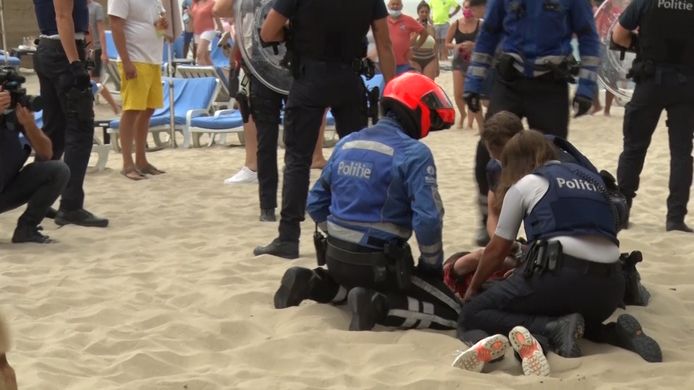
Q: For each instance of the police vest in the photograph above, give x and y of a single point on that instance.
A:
(331, 31)
(45, 16)
(574, 205)
(667, 32)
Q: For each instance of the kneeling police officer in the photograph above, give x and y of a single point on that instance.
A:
(572, 280)
(664, 74)
(379, 186)
(38, 184)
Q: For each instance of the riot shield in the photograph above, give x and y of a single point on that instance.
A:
(613, 70)
(263, 62)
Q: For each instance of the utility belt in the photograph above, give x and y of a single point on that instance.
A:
(565, 71)
(360, 66)
(647, 69)
(50, 42)
(641, 70)
(545, 256)
(394, 262)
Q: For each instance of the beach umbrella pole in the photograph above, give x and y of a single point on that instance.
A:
(172, 113)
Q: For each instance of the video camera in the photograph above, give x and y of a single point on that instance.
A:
(11, 81)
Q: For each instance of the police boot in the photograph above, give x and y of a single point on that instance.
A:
(29, 233)
(482, 236)
(563, 334)
(630, 336)
(677, 225)
(300, 283)
(285, 249)
(634, 292)
(368, 308)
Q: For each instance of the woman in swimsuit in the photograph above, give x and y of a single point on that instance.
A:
(464, 31)
(424, 59)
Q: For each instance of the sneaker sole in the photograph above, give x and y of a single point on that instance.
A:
(533, 359)
(577, 323)
(294, 288)
(631, 337)
(61, 222)
(486, 350)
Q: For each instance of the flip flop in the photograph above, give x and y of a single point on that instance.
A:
(150, 169)
(133, 174)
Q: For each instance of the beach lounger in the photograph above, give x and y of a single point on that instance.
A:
(11, 60)
(222, 122)
(193, 71)
(102, 150)
(195, 94)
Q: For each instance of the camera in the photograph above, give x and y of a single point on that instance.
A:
(11, 81)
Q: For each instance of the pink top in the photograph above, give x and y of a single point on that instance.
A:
(203, 20)
(400, 31)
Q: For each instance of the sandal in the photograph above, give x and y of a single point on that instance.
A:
(133, 174)
(150, 169)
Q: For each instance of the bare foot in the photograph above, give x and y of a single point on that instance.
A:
(150, 169)
(8, 379)
(596, 109)
(318, 164)
(132, 173)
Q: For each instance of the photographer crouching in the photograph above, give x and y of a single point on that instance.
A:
(38, 184)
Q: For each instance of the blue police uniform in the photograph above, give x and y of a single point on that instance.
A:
(555, 286)
(380, 185)
(377, 188)
(531, 41)
(664, 75)
(68, 113)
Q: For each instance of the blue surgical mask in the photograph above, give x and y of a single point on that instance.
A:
(394, 12)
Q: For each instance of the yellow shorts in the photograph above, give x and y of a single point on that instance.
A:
(144, 91)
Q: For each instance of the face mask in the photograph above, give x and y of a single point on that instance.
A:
(467, 13)
(394, 12)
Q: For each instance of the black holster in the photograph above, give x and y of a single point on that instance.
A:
(542, 256)
(505, 68)
(641, 70)
(401, 262)
(244, 106)
(320, 242)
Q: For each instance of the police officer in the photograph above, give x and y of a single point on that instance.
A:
(264, 105)
(328, 39)
(38, 184)
(664, 76)
(534, 66)
(571, 281)
(379, 186)
(68, 112)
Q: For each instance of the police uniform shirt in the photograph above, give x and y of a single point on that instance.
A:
(671, 37)
(45, 16)
(520, 200)
(14, 152)
(331, 31)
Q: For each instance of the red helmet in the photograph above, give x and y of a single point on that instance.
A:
(423, 100)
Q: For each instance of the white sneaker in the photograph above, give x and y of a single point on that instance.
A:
(486, 350)
(244, 175)
(530, 351)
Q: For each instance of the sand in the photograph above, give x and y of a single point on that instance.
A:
(170, 296)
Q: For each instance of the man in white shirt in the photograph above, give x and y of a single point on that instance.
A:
(138, 29)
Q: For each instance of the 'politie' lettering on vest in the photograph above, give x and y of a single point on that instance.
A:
(675, 5)
(577, 184)
(359, 170)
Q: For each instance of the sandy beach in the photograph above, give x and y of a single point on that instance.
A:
(170, 296)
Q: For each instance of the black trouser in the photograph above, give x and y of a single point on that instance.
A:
(535, 301)
(544, 103)
(68, 119)
(426, 303)
(674, 93)
(266, 106)
(319, 86)
(38, 185)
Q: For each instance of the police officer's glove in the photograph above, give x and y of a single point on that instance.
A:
(473, 101)
(80, 76)
(581, 105)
